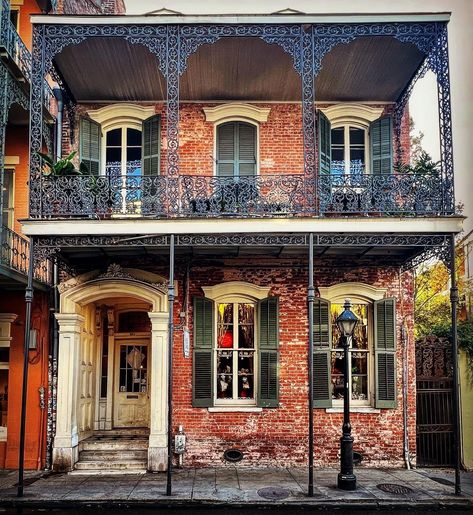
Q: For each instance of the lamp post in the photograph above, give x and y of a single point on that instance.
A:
(346, 322)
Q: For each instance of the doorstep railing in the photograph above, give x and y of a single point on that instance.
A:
(194, 196)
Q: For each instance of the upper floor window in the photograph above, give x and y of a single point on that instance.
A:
(354, 140)
(7, 202)
(236, 149)
(121, 140)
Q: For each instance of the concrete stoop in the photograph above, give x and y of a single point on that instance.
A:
(119, 451)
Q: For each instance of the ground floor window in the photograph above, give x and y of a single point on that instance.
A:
(4, 366)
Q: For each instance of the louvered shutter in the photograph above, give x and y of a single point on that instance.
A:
(246, 149)
(90, 136)
(226, 150)
(381, 145)
(202, 381)
(322, 391)
(325, 143)
(385, 352)
(236, 149)
(268, 359)
(151, 137)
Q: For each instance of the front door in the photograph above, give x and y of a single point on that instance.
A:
(131, 391)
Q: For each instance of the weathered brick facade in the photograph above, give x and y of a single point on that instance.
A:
(91, 7)
(278, 436)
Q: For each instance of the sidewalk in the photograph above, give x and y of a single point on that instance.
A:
(429, 489)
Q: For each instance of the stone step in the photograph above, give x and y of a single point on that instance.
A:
(127, 431)
(92, 444)
(114, 454)
(111, 465)
(106, 472)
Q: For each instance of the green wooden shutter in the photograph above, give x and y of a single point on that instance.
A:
(202, 380)
(322, 391)
(246, 149)
(236, 149)
(226, 154)
(381, 145)
(90, 136)
(151, 136)
(325, 143)
(268, 353)
(385, 352)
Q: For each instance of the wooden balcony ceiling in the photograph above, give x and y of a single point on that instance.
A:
(110, 69)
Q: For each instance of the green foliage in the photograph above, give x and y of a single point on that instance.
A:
(423, 165)
(432, 307)
(61, 167)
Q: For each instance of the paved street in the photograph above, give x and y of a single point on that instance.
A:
(231, 487)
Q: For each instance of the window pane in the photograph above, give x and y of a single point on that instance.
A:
(360, 336)
(114, 138)
(246, 334)
(133, 138)
(357, 136)
(338, 136)
(357, 154)
(225, 374)
(4, 354)
(133, 154)
(225, 326)
(337, 362)
(245, 375)
(113, 155)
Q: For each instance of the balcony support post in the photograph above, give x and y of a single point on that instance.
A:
(36, 123)
(170, 348)
(24, 390)
(310, 307)
(440, 66)
(456, 392)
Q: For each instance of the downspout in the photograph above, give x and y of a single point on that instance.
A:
(405, 380)
(57, 92)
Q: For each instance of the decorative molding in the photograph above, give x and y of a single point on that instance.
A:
(359, 114)
(6, 320)
(235, 111)
(116, 115)
(236, 290)
(360, 292)
(11, 161)
(115, 271)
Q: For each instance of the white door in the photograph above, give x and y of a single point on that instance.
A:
(131, 385)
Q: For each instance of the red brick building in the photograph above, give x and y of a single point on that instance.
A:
(239, 179)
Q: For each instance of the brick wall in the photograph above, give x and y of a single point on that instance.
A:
(91, 7)
(279, 436)
(280, 138)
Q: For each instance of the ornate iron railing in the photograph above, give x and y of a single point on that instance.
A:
(14, 254)
(17, 51)
(192, 196)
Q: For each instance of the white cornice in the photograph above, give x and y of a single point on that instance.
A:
(354, 290)
(230, 111)
(360, 114)
(115, 115)
(236, 290)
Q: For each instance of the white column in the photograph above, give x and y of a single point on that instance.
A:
(157, 451)
(65, 451)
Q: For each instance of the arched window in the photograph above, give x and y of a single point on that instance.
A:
(123, 151)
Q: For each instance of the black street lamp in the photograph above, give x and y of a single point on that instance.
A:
(346, 322)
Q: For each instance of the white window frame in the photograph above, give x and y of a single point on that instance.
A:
(123, 127)
(359, 293)
(358, 116)
(236, 292)
(8, 167)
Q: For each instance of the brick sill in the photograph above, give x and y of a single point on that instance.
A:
(355, 409)
(235, 409)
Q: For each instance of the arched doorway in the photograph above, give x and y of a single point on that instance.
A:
(112, 362)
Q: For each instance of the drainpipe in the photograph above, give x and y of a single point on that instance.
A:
(404, 342)
(60, 110)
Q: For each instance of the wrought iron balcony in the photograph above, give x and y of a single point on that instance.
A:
(192, 196)
(14, 50)
(14, 256)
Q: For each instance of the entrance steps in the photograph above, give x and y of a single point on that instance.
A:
(119, 451)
